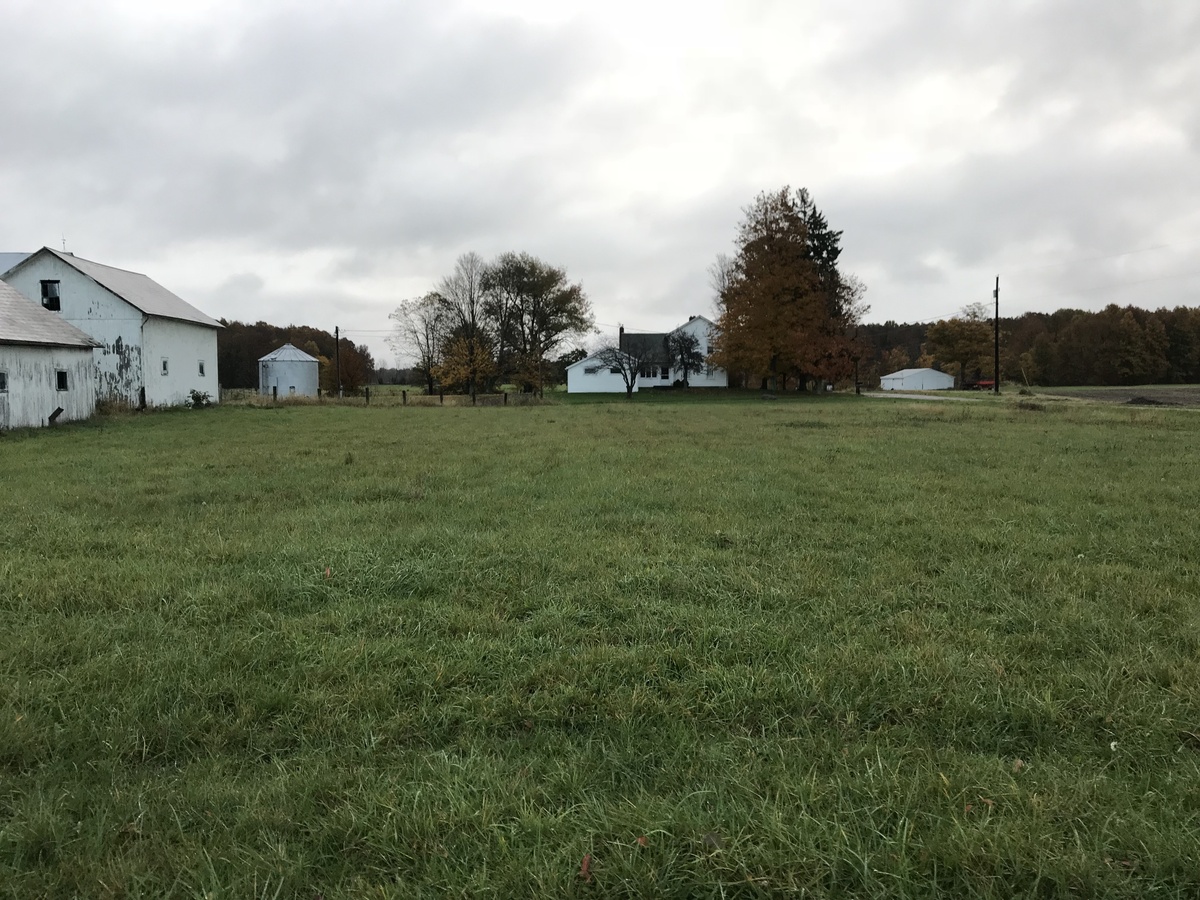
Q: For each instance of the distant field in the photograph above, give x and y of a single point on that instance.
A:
(1150, 394)
(815, 646)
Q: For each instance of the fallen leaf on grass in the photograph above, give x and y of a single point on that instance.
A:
(642, 842)
(713, 841)
(585, 868)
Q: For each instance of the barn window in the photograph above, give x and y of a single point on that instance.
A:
(3, 382)
(165, 367)
(201, 368)
(50, 298)
(60, 379)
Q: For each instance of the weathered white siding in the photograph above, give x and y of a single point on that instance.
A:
(101, 314)
(589, 376)
(133, 344)
(32, 392)
(184, 346)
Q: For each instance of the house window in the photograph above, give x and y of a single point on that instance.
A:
(50, 298)
(3, 382)
(60, 380)
(201, 368)
(165, 367)
(616, 370)
(590, 370)
(666, 374)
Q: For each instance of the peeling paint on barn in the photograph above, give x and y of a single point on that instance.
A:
(118, 367)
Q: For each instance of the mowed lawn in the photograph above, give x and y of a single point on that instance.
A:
(808, 646)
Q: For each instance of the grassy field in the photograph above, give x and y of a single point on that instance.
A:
(813, 646)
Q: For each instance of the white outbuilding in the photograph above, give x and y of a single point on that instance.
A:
(47, 374)
(916, 380)
(288, 372)
(154, 347)
(591, 376)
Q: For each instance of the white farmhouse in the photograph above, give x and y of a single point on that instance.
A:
(46, 367)
(289, 372)
(154, 347)
(589, 376)
(916, 380)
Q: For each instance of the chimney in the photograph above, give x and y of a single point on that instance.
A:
(620, 337)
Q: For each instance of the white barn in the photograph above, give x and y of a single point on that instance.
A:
(154, 348)
(916, 380)
(289, 372)
(46, 367)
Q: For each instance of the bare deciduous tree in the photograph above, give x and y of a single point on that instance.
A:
(420, 333)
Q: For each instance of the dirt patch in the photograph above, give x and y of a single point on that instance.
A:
(1146, 401)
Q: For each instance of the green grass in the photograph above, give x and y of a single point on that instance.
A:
(813, 646)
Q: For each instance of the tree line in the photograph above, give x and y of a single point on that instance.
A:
(1118, 345)
(240, 345)
(508, 321)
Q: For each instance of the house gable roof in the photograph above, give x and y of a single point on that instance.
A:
(594, 359)
(691, 319)
(139, 291)
(288, 353)
(24, 322)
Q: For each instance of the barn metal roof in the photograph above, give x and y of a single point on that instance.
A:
(288, 353)
(10, 260)
(134, 288)
(24, 322)
(903, 372)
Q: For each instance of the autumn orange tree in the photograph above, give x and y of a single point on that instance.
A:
(963, 344)
(786, 312)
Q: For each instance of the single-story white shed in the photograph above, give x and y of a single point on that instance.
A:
(916, 380)
(289, 372)
(47, 373)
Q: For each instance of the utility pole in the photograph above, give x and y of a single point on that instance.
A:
(337, 352)
(996, 294)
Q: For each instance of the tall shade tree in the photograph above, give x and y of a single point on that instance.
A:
(420, 333)
(462, 299)
(785, 311)
(683, 353)
(962, 344)
(535, 310)
(626, 364)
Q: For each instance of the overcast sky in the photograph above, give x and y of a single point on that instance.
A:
(316, 163)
